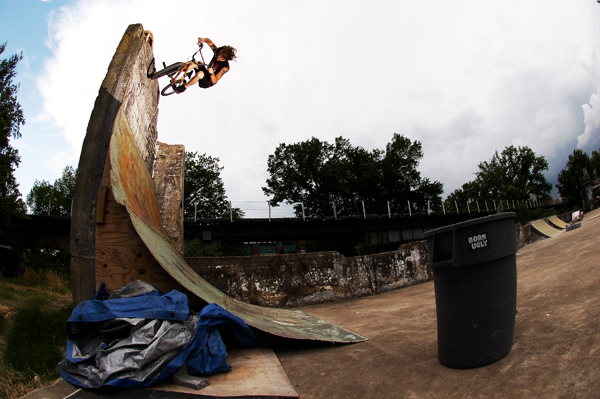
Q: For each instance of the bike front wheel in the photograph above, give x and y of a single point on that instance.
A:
(168, 70)
(168, 90)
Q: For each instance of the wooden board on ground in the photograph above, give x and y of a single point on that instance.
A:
(255, 372)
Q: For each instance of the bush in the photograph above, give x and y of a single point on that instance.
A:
(36, 338)
(58, 260)
(47, 279)
(365, 248)
(3, 323)
(195, 248)
(525, 214)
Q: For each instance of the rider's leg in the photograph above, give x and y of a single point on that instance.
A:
(195, 79)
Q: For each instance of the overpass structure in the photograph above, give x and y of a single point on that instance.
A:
(379, 230)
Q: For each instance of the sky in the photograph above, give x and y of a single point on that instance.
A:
(466, 78)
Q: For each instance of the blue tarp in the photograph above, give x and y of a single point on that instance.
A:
(138, 335)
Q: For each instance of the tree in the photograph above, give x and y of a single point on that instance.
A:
(320, 175)
(402, 182)
(11, 119)
(569, 178)
(305, 172)
(204, 190)
(53, 199)
(515, 174)
(595, 164)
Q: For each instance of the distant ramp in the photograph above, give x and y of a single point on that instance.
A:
(544, 228)
(556, 222)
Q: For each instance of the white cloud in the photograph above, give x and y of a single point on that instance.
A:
(590, 60)
(465, 78)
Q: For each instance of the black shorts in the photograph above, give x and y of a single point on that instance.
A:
(205, 82)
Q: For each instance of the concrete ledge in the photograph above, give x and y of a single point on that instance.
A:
(302, 279)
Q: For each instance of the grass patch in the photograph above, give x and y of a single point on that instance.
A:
(36, 337)
(48, 279)
(33, 313)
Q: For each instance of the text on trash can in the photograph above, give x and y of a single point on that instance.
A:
(478, 241)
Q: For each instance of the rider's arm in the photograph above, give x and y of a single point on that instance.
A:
(209, 42)
(214, 78)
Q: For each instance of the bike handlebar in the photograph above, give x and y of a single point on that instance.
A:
(200, 45)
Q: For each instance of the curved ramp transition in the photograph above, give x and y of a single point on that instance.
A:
(543, 228)
(132, 187)
(556, 222)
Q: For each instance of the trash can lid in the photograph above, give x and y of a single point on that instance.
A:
(471, 222)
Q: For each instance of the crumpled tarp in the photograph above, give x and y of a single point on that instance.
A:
(137, 335)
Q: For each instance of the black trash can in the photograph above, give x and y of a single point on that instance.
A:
(475, 277)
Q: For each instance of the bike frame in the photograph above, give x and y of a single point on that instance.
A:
(179, 76)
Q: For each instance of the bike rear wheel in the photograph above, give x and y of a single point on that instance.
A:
(168, 70)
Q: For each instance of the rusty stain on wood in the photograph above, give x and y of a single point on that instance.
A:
(132, 187)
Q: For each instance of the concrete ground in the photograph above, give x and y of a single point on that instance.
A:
(556, 351)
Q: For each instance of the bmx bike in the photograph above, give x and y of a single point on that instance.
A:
(179, 73)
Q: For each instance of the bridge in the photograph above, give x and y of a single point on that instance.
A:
(380, 230)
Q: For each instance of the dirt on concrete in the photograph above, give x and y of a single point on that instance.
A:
(556, 350)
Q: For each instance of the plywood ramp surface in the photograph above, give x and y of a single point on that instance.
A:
(554, 220)
(544, 228)
(132, 187)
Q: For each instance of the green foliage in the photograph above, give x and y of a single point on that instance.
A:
(319, 174)
(36, 337)
(365, 248)
(195, 248)
(515, 174)
(16, 298)
(569, 178)
(595, 161)
(58, 260)
(3, 323)
(343, 245)
(53, 199)
(11, 119)
(525, 214)
(204, 189)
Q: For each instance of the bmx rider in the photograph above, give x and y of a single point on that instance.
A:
(208, 75)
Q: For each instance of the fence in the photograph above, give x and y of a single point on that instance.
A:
(263, 210)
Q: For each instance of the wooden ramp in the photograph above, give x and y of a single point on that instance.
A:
(133, 188)
(543, 228)
(556, 222)
(127, 224)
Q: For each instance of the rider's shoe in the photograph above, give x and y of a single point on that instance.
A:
(179, 89)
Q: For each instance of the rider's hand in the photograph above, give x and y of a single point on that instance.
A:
(211, 71)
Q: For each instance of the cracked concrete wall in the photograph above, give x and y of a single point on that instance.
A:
(303, 279)
(168, 175)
